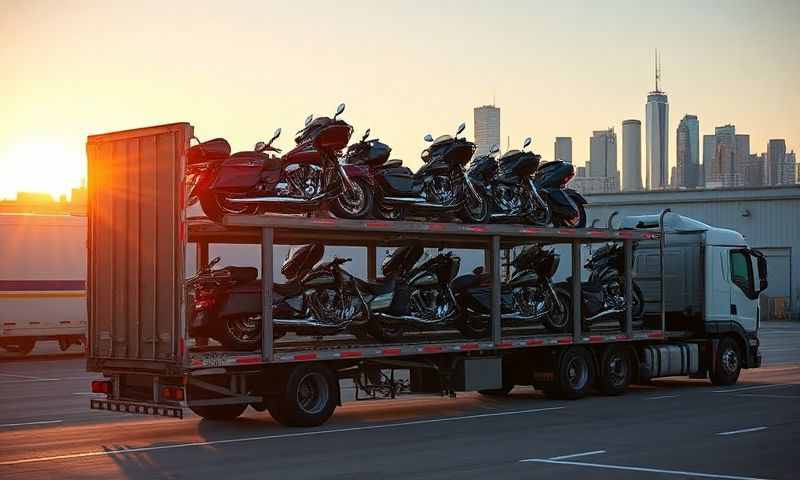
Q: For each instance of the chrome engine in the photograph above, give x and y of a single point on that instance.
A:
(432, 304)
(441, 190)
(530, 301)
(335, 308)
(300, 180)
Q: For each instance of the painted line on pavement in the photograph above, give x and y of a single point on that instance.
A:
(18, 376)
(755, 387)
(744, 430)
(640, 469)
(662, 397)
(43, 422)
(778, 349)
(271, 437)
(574, 455)
(764, 395)
(32, 380)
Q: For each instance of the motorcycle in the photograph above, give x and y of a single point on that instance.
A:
(527, 298)
(439, 188)
(604, 293)
(227, 302)
(414, 294)
(361, 161)
(254, 182)
(519, 189)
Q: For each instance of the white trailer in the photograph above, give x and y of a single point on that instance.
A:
(42, 280)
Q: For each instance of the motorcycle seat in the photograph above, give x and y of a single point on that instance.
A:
(468, 281)
(376, 288)
(290, 289)
(393, 163)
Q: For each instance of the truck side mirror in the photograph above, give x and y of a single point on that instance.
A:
(762, 273)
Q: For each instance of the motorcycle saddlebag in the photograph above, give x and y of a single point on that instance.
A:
(397, 181)
(242, 299)
(241, 172)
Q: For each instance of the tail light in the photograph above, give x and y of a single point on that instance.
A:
(204, 302)
(172, 393)
(567, 179)
(101, 386)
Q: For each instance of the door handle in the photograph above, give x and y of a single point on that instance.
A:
(733, 310)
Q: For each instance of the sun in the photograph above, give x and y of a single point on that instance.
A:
(41, 165)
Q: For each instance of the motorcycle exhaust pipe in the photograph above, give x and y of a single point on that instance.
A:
(410, 320)
(420, 203)
(603, 314)
(294, 200)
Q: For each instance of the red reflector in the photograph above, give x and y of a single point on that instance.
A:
(178, 394)
(349, 354)
(655, 335)
(172, 393)
(596, 338)
(622, 337)
(392, 351)
(432, 349)
(248, 359)
(565, 340)
(535, 341)
(306, 356)
(470, 346)
(505, 345)
(101, 386)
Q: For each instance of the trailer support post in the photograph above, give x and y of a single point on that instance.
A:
(202, 255)
(576, 290)
(372, 262)
(497, 328)
(266, 293)
(661, 246)
(627, 246)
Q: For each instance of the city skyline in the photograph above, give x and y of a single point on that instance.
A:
(57, 92)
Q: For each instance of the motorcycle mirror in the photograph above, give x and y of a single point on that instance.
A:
(528, 141)
(260, 147)
(461, 128)
(213, 262)
(495, 148)
(275, 135)
(339, 110)
(428, 137)
(308, 119)
(366, 135)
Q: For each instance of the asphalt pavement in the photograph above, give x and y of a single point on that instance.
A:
(674, 428)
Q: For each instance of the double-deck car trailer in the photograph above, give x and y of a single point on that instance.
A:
(138, 239)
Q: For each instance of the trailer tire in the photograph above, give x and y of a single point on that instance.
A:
(615, 371)
(219, 412)
(573, 377)
(309, 398)
(727, 362)
(22, 345)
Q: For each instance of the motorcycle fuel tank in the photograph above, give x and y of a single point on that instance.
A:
(523, 278)
(424, 279)
(322, 279)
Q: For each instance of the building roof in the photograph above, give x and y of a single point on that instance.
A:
(705, 195)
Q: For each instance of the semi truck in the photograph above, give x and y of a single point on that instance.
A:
(699, 320)
(42, 281)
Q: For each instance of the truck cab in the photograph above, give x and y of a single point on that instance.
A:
(712, 281)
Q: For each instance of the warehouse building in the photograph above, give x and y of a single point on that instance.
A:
(769, 218)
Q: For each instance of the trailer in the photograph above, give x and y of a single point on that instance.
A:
(42, 281)
(139, 236)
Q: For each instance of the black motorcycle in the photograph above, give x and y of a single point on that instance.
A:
(415, 293)
(254, 182)
(526, 299)
(519, 190)
(439, 188)
(604, 293)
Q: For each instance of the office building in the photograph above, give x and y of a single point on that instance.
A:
(631, 155)
(656, 141)
(603, 153)
(687, 168)
(563, 149)
(776, 155)
(487, 128)
(709, 150)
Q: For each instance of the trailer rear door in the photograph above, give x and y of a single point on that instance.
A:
(136, 239)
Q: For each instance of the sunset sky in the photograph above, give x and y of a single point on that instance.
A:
(239, 69)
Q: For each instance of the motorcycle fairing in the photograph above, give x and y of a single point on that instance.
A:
(576, 197)
(560, 203)
(482, 170)
(241, 172)
(521, 164)
(552, 174)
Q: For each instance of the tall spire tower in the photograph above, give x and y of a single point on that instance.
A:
(656, 140)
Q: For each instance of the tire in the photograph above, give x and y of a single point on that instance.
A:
(727, 362)
(389, 213)
(577, 222)
(615, 371)
(471, 325)
(309, 398)
(239, 332)
(574, 375)
(214, 209)
(474, 211)
(562, 322)
(361, 207)
(219, 412)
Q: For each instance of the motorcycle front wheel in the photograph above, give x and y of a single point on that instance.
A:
(475, 210)
(560, 321)
(578, 221)
(357, 204)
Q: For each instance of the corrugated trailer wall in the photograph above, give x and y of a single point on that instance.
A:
(136, 236)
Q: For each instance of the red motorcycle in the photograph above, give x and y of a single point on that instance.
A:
(253, 182)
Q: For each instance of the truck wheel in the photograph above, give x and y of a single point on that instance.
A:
(309, 399)
(219, 412)
(21, 345)
(615, 371)
(727, 364)
(574, 375)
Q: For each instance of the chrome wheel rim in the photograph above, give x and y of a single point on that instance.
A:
(312, 393)
(243, 329)
(730, 360)
(353, 203)
(577, 373)
(476, 208)
(617, 370)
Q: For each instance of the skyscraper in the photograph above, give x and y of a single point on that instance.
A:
(687, 171)
(742, 155)
(563, 149)
(631, 155)
(656, 141)
(603, 153)
(709, 150)
(776, 153)
(487, 128)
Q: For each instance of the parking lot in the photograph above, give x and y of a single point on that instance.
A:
(674, 428)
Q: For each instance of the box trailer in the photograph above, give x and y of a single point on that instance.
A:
(139, 303)
(42, 281)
